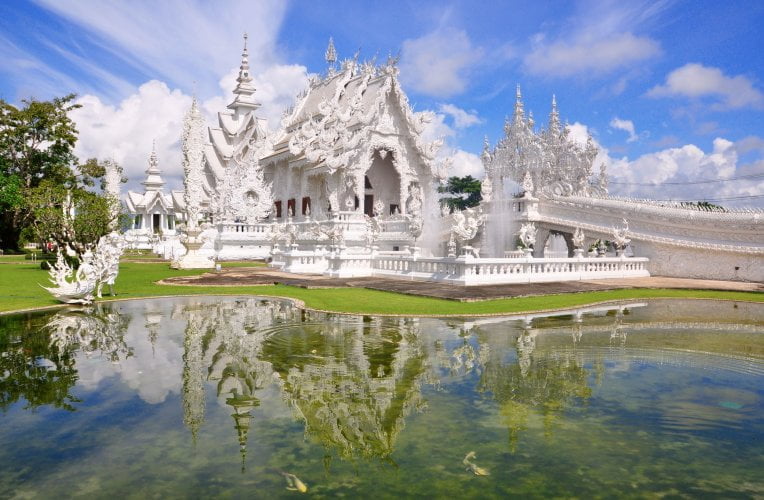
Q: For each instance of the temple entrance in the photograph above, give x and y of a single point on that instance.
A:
(382, 183)
(156, 222)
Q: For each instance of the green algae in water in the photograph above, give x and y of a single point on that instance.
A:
(208, 397)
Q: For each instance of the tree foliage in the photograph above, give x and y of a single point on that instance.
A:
(466, 191)
(44, 191)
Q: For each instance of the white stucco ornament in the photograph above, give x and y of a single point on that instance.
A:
(466, 224)
(621, 236)
(527, 234)
(72, 287)
(546, 163)
(578, 238)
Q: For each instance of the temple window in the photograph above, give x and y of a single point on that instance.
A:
(277, 204)
(394, 208)
(305, 205)
(138, 222)
(291, 206)
(170, 221)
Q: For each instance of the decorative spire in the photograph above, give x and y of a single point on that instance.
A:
(331, 53)
(486, 155)
(154, 181)
(244, 89)
(519, 111)
(554, 118)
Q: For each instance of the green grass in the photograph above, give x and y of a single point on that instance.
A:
(19, 289)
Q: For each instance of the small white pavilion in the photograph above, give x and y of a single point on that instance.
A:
(153, 211)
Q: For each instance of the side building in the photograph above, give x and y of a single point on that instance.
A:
(154, 213)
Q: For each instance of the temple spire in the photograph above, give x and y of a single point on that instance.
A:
(331, 56)
(554, 118)
(244, 91)
(154, 181)
(519, 111)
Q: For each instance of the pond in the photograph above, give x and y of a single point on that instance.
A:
(247, 397)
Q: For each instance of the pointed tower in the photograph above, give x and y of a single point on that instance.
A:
(154, 181)
(519, 115)
(554, 118)
(331, 56)
(244, 99)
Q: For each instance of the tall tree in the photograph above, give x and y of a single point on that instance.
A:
(466, 191)
(36, 143)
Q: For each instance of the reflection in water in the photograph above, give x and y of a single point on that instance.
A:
(353, 383)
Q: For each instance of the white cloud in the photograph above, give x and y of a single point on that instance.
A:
(694, 80)
(438, 63)
(462, 162)
(625, 125)
(125, 132)
(670, 174)
(587, 55)
(462, 118)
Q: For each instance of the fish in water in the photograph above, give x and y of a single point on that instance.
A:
(472, 467)
(294, 483)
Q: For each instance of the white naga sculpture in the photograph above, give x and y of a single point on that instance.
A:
(106, 261)
(527, 235)
(621, 236)
(72, 287)
(96, 269)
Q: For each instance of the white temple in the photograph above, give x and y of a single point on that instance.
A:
(153, 212)
(347, 187)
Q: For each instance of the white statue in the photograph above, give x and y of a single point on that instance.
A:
(106, 261)
(528, 183)
(486, 189)
(578, 238)
(621, 236)
(466, 224)
(372, 230)
(73, 287)
(527, 234)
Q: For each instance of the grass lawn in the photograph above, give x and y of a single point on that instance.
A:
(20, 289)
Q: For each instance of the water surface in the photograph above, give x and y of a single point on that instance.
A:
(201, 397)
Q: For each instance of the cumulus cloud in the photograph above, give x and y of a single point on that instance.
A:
(673, 173)
(438, 63)
(462, 162)
(695, 81)
(587, 55)
(461, 118)
(625, 125)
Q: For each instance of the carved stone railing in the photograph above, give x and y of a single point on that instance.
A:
(479, 271)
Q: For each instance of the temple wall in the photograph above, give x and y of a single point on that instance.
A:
(669, 260)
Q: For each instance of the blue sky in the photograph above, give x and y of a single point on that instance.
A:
(673, 91)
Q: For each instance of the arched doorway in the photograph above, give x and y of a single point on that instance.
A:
(382, 183)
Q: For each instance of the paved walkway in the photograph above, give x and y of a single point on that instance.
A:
(253, 276)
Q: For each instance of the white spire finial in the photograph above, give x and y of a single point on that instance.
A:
(519, 111)
(554, 117)
(244, 89)
(331, 53)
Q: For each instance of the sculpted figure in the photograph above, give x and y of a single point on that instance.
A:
(527, 234)
(467, 223)
(578, 238)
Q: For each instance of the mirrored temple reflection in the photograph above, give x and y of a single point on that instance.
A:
(353, 381)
